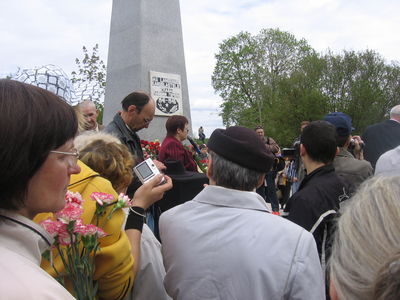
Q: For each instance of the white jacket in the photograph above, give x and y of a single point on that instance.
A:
(21, 244)
(225, 245)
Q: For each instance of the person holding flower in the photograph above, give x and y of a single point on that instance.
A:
(113, 263)
(37, 158)
(172, 148)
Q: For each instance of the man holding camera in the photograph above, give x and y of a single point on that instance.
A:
(298, 164)
(270, 188)
(138, 110)
(353, 170)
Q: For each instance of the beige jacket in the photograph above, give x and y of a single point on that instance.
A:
(21, 245)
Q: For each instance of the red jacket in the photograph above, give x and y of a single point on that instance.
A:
(172, 149)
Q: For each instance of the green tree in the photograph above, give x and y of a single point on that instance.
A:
(90, 78)
(300, 99)
(276, 80)
(236, 76)
(281, 56)
(249, 70)
(360, 84)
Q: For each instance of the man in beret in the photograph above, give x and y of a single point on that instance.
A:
(354, 171)
(225, 244)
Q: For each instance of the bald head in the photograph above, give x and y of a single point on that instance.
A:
(138, 110)
(87, 103)
(90, 113)
(395, 113)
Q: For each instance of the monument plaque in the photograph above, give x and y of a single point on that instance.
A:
(166, 91)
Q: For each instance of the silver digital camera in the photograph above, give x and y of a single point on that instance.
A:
(146, 170)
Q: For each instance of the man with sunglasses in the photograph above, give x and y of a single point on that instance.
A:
(138, 110)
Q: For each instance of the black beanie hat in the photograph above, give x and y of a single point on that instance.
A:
(243, 146)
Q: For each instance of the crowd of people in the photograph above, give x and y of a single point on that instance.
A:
(216, 235)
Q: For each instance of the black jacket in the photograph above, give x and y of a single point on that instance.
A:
(130, 139)
(379, 138)
(317, 203)
(127, 137)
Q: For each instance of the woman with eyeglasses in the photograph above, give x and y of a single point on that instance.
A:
(114, 262)
(38, 163)
(37, 158)
(172, 147)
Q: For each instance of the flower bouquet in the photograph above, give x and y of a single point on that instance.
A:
(77, 243)
(150, 149)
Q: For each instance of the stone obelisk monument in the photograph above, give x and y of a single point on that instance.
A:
(146, 54)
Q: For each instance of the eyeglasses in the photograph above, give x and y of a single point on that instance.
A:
(72, 156)
(145, 120)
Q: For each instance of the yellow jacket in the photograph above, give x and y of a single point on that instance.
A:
(114, 262)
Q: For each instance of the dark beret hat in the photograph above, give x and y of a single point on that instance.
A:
(243, 146)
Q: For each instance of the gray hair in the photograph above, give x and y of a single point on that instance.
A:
(87, 103)
(231, 175)
(367, 234)
(395, 111)
(387, 285)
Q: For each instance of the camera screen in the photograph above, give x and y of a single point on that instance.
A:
(144, 170)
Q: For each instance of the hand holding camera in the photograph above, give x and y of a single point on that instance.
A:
(152, 191)
(356, 146)
(146, 170)
(154, 185)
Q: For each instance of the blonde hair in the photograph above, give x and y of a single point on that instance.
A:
(87, 137)
(81, 119)
(367, 234)
(110, 159)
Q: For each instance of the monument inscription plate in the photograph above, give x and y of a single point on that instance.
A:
(166, 90)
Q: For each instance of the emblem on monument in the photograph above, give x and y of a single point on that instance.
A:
(166, 90)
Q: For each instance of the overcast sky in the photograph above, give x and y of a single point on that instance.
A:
(39, 32)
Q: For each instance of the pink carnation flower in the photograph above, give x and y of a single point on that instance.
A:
(91, 229)
(71, 211)
(53, 227)
(64, 238)
(102, 198)
(88, 229)
(79, 227)
(58, 230)
(71, 197)
(123, 201)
